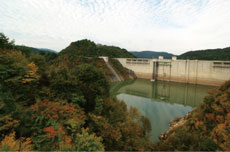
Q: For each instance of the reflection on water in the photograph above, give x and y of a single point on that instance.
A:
(160, 101)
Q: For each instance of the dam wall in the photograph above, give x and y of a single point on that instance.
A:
(143, 68)
(186, 71)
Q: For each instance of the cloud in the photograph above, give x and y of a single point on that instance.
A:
(160, 25)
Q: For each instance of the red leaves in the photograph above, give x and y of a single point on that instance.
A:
(52, 132)
(57, 111)
(68, 140)
(59, 121)
(210, 116)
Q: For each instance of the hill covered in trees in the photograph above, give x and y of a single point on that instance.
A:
(60, 105)
(48, 50)
(85, 51)
(210, 54)
(5, 43)
(88, 48)
(205, 128)
(28, 51)
(151, 54)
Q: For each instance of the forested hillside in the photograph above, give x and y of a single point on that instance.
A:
(5, 43)
(28, 51)
(211, 54)
(63, 104)
(204, 129)
(113, 52)
(88, 48)
(85, 51)
(151, 54)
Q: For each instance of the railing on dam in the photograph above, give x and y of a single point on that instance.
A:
(217, 64)
(164, 63)
(137, 61)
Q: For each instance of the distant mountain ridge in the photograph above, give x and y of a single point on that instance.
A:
(48, 50)
(34, 50)
(209, 54)
(152, 54)
(28, 51)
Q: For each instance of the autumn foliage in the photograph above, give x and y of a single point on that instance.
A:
(207, 128)
(9, 143)
(63, 104)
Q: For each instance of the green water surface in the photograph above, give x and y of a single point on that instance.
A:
(160, 101)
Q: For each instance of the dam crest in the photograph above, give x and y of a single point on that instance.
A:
(186, 71)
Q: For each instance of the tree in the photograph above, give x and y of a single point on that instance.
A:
(52, 123)
(119, 129)
(207, 127)
(63, 105)
(92, 84)
(5, 43)
(88, 142)
(85, 48)
(9, 143)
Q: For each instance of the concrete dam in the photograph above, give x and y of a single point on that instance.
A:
(186, 71)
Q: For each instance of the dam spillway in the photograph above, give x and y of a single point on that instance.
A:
(186, 71)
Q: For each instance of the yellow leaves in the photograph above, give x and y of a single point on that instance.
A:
(221, 126)
(88, 142)
(218, 108)
(26, 144)
(31, 73)
(7, 123)
(221, 135)
(197, 123)
(227, 117)
(133, 112)
(219, 118)
(10, 144)
(33, 68)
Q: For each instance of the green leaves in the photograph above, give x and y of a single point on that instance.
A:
(85, 48)
(5, 43)
(78, 99)
(88, 142)
(64, 104)
(211, 54)
(92, 84)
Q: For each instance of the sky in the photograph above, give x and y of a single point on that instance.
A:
(174, 26)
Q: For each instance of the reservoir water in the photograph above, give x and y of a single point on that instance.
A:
(160, 101)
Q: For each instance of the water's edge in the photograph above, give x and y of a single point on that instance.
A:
(160, 101)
